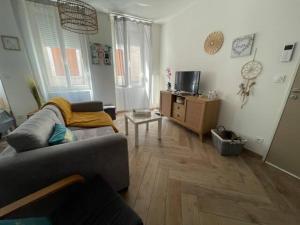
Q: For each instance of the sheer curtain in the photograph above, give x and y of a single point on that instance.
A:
(59, 58)
(132, 51)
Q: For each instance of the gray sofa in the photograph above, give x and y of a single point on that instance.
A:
(29, 164)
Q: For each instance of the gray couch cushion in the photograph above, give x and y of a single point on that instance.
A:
(33, 133)
(56, 111)
(82, 134)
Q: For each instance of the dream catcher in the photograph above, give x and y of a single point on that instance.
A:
(250, 71)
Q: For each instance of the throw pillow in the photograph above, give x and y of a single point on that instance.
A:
(61, 135)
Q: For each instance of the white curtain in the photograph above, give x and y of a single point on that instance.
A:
(59, 58)
(133, 62)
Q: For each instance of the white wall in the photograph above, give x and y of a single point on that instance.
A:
(103, 75)
(274, 22)
(14, 67)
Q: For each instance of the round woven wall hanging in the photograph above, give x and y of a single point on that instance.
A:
(213, 42)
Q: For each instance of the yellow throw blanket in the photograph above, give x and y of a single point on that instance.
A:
(81, 119)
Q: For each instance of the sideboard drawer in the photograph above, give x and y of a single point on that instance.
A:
(178, 116)
(178, 111)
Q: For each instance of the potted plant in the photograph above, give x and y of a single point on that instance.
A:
(35, 92)
(169, 75)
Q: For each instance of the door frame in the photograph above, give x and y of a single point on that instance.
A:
(284, 103)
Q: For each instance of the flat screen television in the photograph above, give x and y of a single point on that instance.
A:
(187, 81)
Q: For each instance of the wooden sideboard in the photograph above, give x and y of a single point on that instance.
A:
(196, 113)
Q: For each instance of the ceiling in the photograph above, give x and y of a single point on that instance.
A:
(156, 10)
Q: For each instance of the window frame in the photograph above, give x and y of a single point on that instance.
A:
(67, 75)
(126, 58)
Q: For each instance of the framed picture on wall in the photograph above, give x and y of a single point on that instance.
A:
(242, 46)
(101, 54)
(10, 43)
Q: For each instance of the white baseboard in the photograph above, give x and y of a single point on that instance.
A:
(293, 175)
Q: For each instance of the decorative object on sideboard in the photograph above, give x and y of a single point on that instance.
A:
(250, 71)
(180, 99)
(10, 43)
(212, 94)
(169, 75)
(101, 54)
(213, 42)
(77, 16)
(242, 46)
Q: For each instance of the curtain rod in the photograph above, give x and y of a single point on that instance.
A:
(131, 17)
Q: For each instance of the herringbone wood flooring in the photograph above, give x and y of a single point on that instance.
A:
(181, 181)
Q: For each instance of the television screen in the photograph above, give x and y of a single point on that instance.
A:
(187, 81)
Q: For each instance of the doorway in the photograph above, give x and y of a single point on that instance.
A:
(284, 152)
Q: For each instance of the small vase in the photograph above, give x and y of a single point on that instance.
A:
(169, 86)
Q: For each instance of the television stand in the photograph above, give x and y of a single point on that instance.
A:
(196, 113)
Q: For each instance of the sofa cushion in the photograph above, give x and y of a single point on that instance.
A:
(82, 134)
(34, 132)
(56, 111)
(61, 135)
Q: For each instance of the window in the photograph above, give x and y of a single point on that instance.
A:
(62, 56)
(59, 75)
(120, 69)
(73, 59)
(136, 75)
(132, 45)
(132, 52)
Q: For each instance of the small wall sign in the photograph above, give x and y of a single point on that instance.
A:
(242, 46)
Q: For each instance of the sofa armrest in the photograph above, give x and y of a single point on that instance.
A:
(27, 172)
(94, 106)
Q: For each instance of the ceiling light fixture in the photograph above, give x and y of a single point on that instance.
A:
(77, 16)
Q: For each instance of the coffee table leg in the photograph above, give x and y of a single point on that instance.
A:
(147, 126)
(136, 131)
(126, 125)
(159, 128)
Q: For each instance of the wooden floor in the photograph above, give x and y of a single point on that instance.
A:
(183, 181)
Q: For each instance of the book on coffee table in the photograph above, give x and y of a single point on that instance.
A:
(144, 113)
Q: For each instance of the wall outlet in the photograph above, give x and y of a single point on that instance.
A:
(259, 140)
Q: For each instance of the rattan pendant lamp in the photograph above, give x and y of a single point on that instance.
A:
(77, 16)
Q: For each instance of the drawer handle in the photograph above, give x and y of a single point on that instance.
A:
(178, 107)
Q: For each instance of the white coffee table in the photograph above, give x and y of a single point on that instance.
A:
(139, 120)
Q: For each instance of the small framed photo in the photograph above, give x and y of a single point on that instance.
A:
(10, 43)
